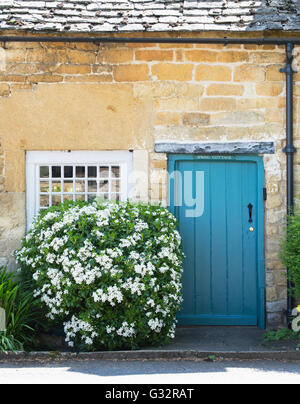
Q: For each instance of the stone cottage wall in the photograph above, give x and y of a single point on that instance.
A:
(91, 97)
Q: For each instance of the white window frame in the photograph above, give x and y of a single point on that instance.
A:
(35, 159)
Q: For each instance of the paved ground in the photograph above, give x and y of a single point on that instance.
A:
(218, 339)
(226, 339)
(215, 339)
(174, 372)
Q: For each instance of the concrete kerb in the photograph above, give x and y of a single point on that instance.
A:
(149, 355)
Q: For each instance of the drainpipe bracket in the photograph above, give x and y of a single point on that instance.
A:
(288, 70)
(289, 150)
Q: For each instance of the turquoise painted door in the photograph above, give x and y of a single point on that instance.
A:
(219, 206)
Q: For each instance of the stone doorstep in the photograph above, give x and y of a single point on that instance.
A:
(150, 355)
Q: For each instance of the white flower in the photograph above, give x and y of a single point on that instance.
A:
(156, 325)
(126, 330)
(108, 256)
(112, 296)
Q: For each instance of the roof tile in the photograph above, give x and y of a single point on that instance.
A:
(149, 15)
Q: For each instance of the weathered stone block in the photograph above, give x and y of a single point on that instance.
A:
(195, 119)
(151, 55)
(270, 278)
(276, 307)
(167, 118)
(73, 69)
(218, 104)
(275, 116)
(179, 56)
(238, 117)
(266, 57)
(233, 57)
(4, 90)
(225, 89)
(45, 78)
(249, 73)
(213, 73)
(160, 164)
(22, 86)
(115, 56)
(169, 71)
(275, 319)
(271, 294)
(79, 57)
(269, 89)
(280, 276)
(200, 56)
(15, 55)
(46, 56)
(177, 104)
(11, 78)
(91, 78)
(125, 73)
(273, 73)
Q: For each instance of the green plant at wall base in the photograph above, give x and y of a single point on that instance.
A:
(18, 305)
(110, 273)
(290, 252)
(284, 334)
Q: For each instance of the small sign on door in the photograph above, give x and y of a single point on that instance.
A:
(2, 320)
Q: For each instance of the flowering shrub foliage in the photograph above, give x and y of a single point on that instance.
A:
(109, 272)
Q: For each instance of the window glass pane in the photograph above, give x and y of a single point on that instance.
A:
(44, 186)
(115, 171)
(115, 186)
(92, 172)
(68, 171)
(80, 186)
(44, 201)
(80, 172)
(56, 200)
(44, 172)
(115, 197)
(104, 186)
(91, 197)
(104, 172)
(68, 197)
(68, 186)
(58, 182)
(104, 196)
(92, 186)
(56, 186)
(56, 172)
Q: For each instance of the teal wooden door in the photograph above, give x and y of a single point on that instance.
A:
(219, 205)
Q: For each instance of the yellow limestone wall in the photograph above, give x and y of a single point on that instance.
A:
(120, 97)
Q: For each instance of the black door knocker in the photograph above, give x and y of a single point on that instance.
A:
(250, 207)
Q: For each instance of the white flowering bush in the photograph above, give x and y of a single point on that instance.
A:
(110, 273)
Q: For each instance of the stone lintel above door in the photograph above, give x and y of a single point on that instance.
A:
(215, 147)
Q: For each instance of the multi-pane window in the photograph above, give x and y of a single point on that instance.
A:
(59, 183)
(55, 177)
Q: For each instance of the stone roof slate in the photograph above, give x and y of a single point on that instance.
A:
(149, 15)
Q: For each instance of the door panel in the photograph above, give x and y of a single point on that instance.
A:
(220, 279)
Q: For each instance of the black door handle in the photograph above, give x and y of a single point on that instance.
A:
(250, 207)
